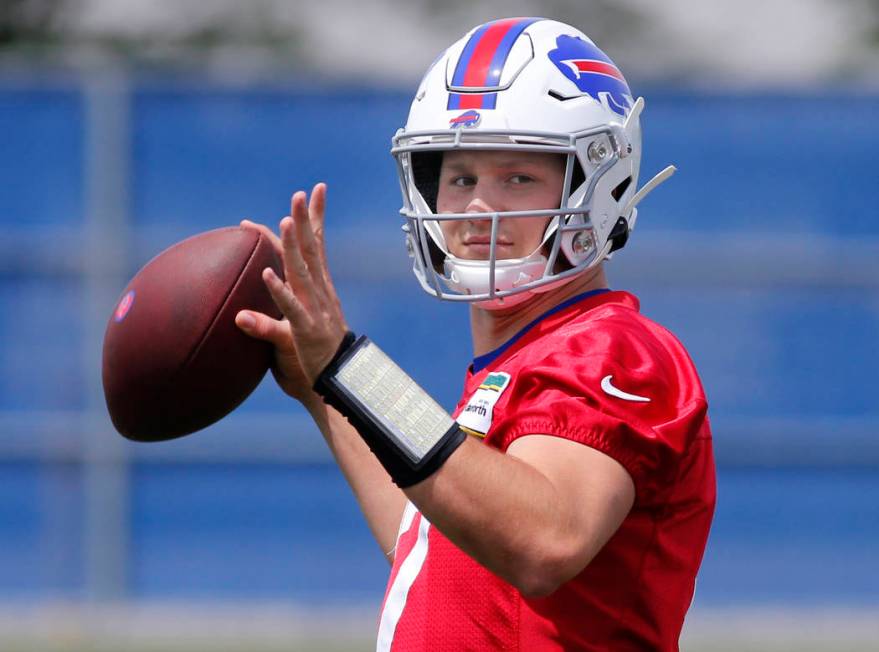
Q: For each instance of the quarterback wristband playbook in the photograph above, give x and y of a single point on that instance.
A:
(409, 432)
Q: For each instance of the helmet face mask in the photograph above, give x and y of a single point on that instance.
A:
(525, 102)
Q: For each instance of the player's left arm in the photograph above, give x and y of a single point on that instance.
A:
(535, 516)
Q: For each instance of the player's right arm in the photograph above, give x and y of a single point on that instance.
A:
(379, 498)
(381, 501)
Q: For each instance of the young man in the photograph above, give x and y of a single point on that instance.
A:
(568, 504)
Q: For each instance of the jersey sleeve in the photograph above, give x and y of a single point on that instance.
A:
(625, 394)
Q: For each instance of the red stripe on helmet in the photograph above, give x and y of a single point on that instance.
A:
(599, 67)
(471, 101)
(477, 67)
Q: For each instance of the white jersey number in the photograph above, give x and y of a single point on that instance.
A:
(409, 569)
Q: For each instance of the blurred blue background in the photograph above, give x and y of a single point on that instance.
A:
(761, 255)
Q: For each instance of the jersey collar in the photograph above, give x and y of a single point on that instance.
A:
(482, 361)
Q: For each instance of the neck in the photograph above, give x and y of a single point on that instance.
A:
(491, 328)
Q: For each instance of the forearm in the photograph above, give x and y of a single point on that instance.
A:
(380, 500)
(505, 514)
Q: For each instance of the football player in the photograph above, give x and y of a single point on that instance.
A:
(566, 503)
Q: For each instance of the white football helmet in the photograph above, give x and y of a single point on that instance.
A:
(535, 85)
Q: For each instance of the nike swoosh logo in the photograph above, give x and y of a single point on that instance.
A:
(613, 391)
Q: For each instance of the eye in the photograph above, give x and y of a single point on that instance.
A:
(463, 181)
(519, 179)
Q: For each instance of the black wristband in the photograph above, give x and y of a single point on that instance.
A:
(411, 445)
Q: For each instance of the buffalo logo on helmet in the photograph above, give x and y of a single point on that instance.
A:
(593, 72)
(467, 119)
(124, 306)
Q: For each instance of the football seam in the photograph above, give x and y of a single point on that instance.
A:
(210, 327)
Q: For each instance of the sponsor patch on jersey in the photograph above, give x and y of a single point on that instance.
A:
(476, 416)
(592, 72)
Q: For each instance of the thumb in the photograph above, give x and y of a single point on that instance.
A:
(263, 327)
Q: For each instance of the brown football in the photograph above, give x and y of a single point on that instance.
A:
(174, 360)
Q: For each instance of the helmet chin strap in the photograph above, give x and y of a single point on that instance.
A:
(520, 297)
(472, 276)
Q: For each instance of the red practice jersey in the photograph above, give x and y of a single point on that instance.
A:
(595, 371)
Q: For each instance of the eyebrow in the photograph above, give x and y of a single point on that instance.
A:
(502, 163)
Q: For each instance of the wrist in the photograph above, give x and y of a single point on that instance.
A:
(409, 433)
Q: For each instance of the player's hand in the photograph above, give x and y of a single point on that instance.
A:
(286, 368)
(307, 297)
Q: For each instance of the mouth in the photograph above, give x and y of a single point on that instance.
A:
(480, 240)
(479, 248)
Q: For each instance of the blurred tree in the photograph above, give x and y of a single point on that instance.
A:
(873, 13)
(147, 31)
(675, 40)
(610, 18)
(29, 21)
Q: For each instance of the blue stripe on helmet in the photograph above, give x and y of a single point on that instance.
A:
(503, 51)
(466, 54)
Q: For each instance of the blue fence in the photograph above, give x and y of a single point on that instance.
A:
(760, 254)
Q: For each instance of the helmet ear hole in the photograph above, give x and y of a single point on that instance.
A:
(621, 188)
(425, 173)
(437, 257)
(578, 177)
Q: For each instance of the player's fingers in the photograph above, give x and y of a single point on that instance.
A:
(317, 216)
(266, 232)
(317, 205)
(263, 327)
(309, 244)
(286, 300)
(298, 275)
(309, 250)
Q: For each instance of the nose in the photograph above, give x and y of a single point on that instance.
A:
(478, 205)
(486, 195)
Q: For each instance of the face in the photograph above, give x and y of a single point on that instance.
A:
(495, 181)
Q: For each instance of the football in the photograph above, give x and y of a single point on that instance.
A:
(174, 361)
